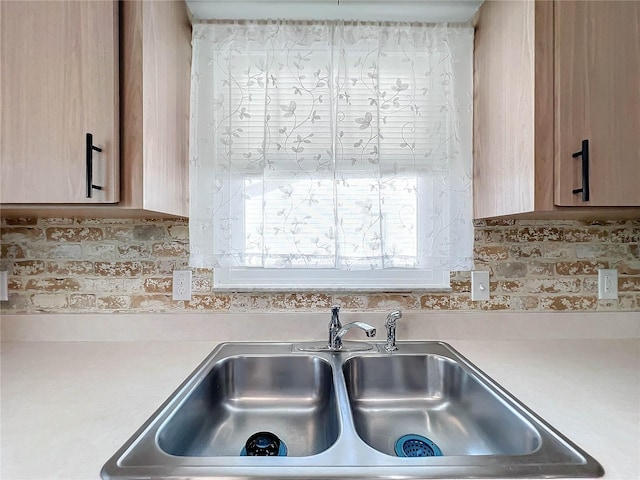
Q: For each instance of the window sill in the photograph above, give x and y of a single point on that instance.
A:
(329, 280)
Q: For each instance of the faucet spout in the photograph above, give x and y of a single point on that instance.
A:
(336, 343)
(368, 329)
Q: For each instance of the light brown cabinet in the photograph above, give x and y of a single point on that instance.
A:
(549, 75)
(154, 47)
(59, 64)
(598, 98)
(156, 81)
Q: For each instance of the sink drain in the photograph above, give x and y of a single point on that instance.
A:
(416, 446)
(264, 444)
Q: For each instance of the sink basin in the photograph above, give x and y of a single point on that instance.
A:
(292, 397)
(421, 412)
(432, 397)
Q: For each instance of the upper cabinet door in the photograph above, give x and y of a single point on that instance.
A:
(597, 68)
(58, 83)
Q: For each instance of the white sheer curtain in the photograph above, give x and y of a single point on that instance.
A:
(331, 145)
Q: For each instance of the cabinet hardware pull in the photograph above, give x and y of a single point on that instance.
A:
(90, 149)
(584, 153)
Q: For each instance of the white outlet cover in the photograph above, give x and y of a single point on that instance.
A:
(4, 286)
(480, 287)
(182, 284)
(607, 284)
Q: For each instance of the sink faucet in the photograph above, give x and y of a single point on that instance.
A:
(337, 331)
(390, 323)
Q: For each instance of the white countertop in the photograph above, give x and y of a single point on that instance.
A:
(68, 406)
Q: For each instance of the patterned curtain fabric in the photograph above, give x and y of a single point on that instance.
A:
(331, 145)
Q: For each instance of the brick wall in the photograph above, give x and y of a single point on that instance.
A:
(105, 265)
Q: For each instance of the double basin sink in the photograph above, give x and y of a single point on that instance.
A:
(257, 410)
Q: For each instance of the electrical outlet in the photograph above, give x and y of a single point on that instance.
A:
(479, 285)
(182, 284)
(4, 286)
(607, 283)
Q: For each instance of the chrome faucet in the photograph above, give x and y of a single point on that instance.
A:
(390, 323)
(337, 331)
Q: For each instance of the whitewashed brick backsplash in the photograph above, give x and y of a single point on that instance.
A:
(125, 265)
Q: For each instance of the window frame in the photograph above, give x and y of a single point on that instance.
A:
(439, 233)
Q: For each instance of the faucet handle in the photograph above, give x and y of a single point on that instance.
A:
(335, 317)
(334, 327)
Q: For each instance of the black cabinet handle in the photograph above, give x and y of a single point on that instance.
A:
(90, 149)
(584, 153)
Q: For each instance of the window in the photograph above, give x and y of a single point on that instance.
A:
(331, 153)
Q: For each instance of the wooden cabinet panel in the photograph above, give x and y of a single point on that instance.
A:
(513, 114)
(597, 68)
(546, 76)
(155, 75)
(59, 64)
(156, 64)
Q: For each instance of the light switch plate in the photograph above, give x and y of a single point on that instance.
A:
(182, 284)
(607, 283)
(480, 285)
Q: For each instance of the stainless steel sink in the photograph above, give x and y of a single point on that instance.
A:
(291, 396)
(345, 415)
(435, 398)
